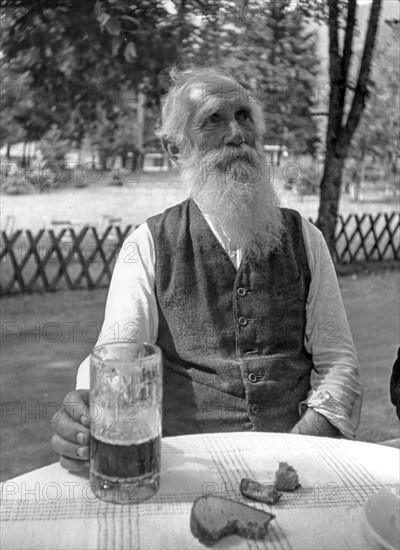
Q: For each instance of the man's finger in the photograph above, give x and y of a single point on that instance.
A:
(76, 405)
(67, 448)
(74, 465)
(68, 429)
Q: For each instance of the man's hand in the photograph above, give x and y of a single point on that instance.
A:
(71, 424)
(314, 423)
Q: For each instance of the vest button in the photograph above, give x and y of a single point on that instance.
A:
(241, 291)
(252, 377)
(243, 321)
(254, 409)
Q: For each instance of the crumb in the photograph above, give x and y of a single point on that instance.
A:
(286, 478)
(260, 492)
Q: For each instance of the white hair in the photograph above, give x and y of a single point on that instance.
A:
(171, 124)
(233, 187)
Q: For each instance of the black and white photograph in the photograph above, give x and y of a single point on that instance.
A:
(199, 274)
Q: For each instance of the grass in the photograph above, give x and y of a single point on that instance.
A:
(142, 195)
(45, 337)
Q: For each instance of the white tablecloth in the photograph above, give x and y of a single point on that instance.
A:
(50, 508)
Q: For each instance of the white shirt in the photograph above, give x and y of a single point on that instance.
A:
(336, 391)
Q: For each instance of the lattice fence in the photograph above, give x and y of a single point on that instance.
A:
(76, 259)
(368, 237)
(66, 259)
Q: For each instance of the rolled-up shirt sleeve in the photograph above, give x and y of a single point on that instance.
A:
(336, 389)
(131, 308)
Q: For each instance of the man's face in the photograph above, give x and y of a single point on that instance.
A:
(219, 115)
(222, 165)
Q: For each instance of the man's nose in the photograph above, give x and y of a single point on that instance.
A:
(234, 135)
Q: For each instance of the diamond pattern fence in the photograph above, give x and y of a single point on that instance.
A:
(368, 237)
(66, 259)
(76, 259)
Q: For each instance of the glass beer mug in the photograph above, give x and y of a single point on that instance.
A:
(125, 403)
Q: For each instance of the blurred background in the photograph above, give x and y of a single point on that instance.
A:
(81, 85)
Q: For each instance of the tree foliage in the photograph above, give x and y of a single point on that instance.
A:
(347, 99)
(378, 132)
(66, 62)
(71, 62)
(271, 50)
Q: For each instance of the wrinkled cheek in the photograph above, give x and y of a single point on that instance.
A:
(251, 138)
(210, 142)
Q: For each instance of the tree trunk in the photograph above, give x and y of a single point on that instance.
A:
(28, 154)
(103, 158)
(329, 199)
(340, 131)
(24, 155)
(124, 156)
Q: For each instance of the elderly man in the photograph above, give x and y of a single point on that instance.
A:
(240, 294)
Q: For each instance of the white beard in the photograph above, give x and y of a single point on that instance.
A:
(232, 186)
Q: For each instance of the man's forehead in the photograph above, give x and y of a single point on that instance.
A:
(201, 89)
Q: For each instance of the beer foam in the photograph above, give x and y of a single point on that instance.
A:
(123, 443)
(122, 427)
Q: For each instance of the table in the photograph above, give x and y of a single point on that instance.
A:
(51, 508)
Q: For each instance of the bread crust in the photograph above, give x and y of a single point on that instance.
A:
(213, 518)
(260, 492)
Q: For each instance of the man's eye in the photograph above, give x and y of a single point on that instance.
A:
(213, 119)
(243, 116)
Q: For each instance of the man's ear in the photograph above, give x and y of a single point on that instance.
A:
(171, 149)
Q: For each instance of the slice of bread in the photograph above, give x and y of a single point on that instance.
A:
(213, 518)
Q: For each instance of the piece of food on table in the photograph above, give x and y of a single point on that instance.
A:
(286, 478)
(261, 492)
(212, 519)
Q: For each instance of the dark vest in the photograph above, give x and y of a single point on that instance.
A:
(232, 341)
